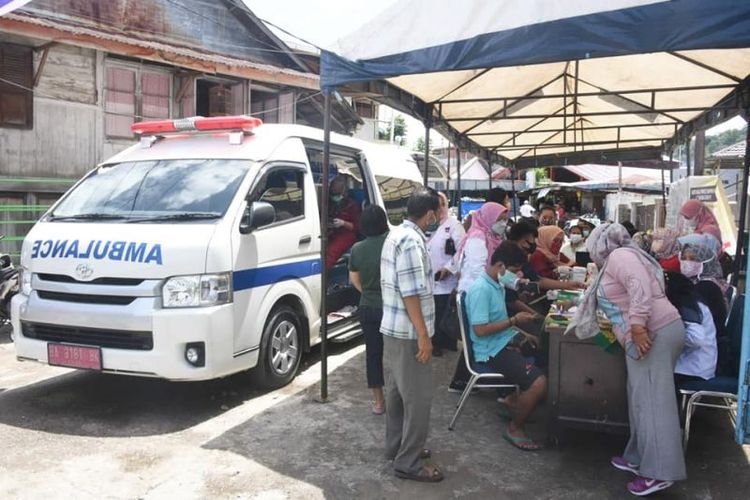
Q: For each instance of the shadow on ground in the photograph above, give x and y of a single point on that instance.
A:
(102, 405)
(337, 447)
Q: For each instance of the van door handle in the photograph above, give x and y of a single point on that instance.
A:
(305, 240)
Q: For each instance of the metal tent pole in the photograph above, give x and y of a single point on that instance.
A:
(427, 125)
(448, 173)
(489, 171)
(458, 176)
(324, 246)
(513, 200)
(664, 191)
(741, 232)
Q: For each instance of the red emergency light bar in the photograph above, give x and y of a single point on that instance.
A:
(197, 123)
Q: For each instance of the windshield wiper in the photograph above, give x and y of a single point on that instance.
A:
(177, 217)
(89, 216)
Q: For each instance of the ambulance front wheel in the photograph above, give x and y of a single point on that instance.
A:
(281, 349)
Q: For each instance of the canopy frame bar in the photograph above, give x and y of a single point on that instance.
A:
(504, 108)
(705, 66)
(568, 144)
(691, 88)
(595, 113)
(601, 127)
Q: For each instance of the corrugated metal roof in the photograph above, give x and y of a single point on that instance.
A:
(734, 151)
(610, 174)
(160, 47)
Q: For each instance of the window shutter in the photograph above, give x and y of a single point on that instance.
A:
(119, 103)
(155, 95)
(16, 96)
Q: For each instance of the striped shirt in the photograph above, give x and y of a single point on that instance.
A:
(405, 271)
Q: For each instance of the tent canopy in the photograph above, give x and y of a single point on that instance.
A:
(540, 82)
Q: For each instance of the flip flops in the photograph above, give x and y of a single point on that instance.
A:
(522, 443)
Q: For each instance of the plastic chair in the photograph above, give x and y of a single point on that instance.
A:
(723, 387)
(480, 372)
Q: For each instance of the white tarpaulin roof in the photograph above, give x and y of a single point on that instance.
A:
(534, 78)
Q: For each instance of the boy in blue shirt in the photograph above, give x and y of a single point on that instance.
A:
(492, 335)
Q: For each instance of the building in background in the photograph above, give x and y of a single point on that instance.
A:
(76, 74)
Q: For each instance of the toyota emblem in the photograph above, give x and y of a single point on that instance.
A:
(84, 271)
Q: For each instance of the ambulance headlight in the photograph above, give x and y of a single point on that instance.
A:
(198, 290)
(24, 279)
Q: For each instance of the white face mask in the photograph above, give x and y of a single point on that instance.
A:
(691, 268)
(576, 238)
(499, 227)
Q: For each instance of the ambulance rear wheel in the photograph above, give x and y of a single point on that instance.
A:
(281, 349)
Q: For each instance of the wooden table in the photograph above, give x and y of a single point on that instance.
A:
(587, 386)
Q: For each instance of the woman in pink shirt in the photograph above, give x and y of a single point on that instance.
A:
(630, 291)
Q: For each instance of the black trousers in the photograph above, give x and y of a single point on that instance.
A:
(440, 340)
(369, 319)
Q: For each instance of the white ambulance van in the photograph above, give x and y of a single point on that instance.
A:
(195, 254)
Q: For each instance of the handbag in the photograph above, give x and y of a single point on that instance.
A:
(448, 324)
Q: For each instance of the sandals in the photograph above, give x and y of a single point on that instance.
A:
(522, 443)
(426, 474)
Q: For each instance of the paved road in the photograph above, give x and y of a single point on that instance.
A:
(68, 434)
(72, 434)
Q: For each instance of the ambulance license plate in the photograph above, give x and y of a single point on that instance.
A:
(74, 356)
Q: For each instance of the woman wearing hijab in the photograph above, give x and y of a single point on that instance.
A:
(697, 216)
(642, 240)
(547, 256)
(698, 262)
(486, 233)
(666, 249)
(630, 290)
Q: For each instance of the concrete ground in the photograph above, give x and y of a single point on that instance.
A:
(68, 434)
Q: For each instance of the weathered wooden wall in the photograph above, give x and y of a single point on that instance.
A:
(65, 136)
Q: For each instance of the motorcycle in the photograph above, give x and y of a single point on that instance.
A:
(8, 286)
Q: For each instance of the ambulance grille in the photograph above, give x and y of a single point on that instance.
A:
(80, 298)
(63, 278)
(100, 337)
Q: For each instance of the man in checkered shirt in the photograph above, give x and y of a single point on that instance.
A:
(407, 327)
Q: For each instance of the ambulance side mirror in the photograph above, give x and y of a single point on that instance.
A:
(258, 214)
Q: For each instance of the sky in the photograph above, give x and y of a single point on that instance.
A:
(322, 22)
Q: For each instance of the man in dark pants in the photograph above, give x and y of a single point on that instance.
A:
(407, 325)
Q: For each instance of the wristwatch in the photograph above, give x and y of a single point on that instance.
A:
(512, 321)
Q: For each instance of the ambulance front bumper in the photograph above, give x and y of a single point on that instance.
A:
(150, 341)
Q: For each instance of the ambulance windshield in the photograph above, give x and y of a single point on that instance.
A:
(159, 190)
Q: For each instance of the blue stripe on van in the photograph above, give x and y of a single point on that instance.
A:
(251, 278)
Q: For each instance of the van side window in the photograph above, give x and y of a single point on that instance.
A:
(395, 193)
(283, 188)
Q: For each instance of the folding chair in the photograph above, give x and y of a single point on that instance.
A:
(722, 387)
(480, 372)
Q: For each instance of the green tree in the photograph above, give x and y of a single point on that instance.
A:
(399, 131)
(719, 141)
(419, 146)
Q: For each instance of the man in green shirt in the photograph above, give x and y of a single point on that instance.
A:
(364, 272)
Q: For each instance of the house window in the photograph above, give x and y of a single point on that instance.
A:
(16, 96)
(135, 94)
(265, 105)
(365, 109)
(219, 98)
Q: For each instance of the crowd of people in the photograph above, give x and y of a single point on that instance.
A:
(663, 291)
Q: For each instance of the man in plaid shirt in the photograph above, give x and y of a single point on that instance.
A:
(407, 327)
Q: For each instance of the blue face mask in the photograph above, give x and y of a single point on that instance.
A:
(431, 228)
(336, 198)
